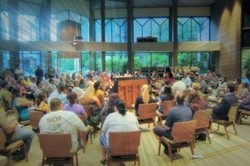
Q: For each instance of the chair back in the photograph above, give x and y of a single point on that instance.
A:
(167, 105)
(147, 111)
(55, 144)
(232, 112)
(202, 118)
(35, 117)
(183, 131)
(124, 143)
(2, 140)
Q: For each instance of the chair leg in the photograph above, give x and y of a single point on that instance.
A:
(138, 159)
(43, 161)
(91, 137)
(218, 127)
(191, 147)
(9, 158)
(208, 137)
(227, 133)
(170, 153)
(76, 159)
(109, 162)
(240, 117)
(235, 129)
(159, 148)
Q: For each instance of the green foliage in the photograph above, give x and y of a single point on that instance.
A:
(194, 59)
(116, 62)
(150, 59)
(246, 66)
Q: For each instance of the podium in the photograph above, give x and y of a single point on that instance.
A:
(128, 88)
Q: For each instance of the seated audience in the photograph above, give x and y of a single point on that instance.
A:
(244, 78)
(60, 93)
(144, 98)
(203, 85)
(93, 96)
(5, 95)
(15, 132)
(195, 102)
(74, 107)
(167, 95)
(178, 86)
(222, 86)
(187, 81)
(243, 91)
(78, 91)
(109, 107)
(21, 104)
(168, 76)
(118, 121)
(166, 84)
(63, 121)
(179, 113)
(42, 103)
(99, 92)
(221, 110)
(50, 86)
(244, 105)
(82, 83)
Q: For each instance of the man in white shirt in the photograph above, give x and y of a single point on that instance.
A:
(60, 93)
(178, 86)
(187, 80)
(63, 121)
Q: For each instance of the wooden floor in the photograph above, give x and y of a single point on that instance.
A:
(221, 152)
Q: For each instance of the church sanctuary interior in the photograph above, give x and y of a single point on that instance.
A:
(123, 45)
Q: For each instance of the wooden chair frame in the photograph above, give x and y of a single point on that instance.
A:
(225, 123)
(8, 149)
(147, 113)
(242, 114)
(56, 149)
(183, 136)
(126, 148)
(203, 122)
(35, 117)
(166, 106)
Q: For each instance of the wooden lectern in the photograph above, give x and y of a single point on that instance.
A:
(129, 88)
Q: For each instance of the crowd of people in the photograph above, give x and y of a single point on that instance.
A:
(62, 99)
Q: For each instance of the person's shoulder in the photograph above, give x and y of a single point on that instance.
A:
(173, 109)
(66, 114)
(45, 116)
(130, 114)
(78, 106)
